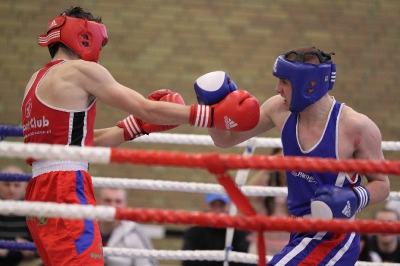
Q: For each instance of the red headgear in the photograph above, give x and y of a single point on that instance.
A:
(84, 37)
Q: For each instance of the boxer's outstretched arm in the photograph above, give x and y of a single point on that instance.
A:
(108, 137)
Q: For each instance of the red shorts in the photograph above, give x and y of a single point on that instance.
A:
(65, 241)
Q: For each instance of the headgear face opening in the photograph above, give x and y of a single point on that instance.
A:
(309, 82)
(84, 37)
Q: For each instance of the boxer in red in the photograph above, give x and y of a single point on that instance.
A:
(59, 107)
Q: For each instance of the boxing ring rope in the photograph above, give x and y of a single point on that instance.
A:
(252, 223)
(106, 213)
(207, 161)
(260, 142)
(162, 185)
(210, 255)
(191, 139)
(210, 162)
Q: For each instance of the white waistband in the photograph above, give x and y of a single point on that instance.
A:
(46, 166)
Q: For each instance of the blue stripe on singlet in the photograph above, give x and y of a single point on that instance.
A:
(86, 239)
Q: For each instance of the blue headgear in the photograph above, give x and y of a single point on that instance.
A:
(309, 82)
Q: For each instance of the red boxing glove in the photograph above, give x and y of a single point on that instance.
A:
(238, 111)
(135, 127)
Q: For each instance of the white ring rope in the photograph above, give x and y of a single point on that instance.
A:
(390, 145)
(191, 187)
(102, 154)
(55, 152)
(209, 255)
(51, 209)
(191, 139)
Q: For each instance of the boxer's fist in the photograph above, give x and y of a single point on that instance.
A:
(212, 87)
(238, 111)
(134, 127)
(338, 202)
(166, 96)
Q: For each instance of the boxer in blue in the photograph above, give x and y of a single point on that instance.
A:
(313, 124)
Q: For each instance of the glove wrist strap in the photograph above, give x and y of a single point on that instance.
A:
(132, 129)
(201, 115)
(363, 197)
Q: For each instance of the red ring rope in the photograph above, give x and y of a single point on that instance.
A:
(179, 159)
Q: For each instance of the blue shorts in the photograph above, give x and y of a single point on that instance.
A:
(319, 249)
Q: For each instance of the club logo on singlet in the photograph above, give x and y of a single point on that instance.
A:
(305, 176)
(28, 108)
(34, 122)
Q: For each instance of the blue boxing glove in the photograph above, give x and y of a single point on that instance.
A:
(338, 202)
(212, 87)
